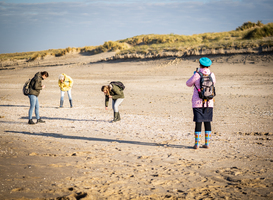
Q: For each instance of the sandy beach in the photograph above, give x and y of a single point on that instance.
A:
(79, 154)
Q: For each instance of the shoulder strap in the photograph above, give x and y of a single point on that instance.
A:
(200, 73)
(201, 76)
(195, 87)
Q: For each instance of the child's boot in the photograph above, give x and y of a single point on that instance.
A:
(197, 140)
(207, 139)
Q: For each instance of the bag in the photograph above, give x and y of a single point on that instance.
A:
(207, 89)
(119, 84)
(26, 87)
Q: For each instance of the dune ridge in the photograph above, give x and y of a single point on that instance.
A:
(79, 59)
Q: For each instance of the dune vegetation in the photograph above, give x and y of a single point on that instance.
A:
(249, 35)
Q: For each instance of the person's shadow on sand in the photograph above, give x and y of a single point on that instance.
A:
(13, 106)
(69, 119)
(56, 135)
(24, 106)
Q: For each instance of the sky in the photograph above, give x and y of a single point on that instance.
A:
(35, 25)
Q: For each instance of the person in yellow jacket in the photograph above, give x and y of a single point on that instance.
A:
(65, 83)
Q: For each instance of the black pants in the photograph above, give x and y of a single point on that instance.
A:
(198, 126)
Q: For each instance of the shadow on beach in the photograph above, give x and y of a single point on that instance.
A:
(13, 106)
(55, 135)
(69, 119)
(25, 106)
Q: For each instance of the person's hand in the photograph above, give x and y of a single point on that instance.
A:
(43, 86)
(110, 96)
(106, 108)
(197, 70)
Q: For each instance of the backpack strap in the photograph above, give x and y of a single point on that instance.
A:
(196, 87)
(200, 73)
(201, 76)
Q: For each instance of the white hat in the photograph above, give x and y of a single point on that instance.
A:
(61, 77)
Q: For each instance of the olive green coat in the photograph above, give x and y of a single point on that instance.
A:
(36, 84)
(116, 93)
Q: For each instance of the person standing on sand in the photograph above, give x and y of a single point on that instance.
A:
(65, 83)
(35, 87)
(203, 112)
(116, 93)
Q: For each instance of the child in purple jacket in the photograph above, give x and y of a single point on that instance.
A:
(202, 112)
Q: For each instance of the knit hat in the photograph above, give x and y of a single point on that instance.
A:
(206, 62)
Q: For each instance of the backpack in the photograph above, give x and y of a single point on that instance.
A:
(207, 89)
(26, 87)
(119, 84)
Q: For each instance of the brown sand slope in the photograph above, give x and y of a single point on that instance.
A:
(79, 154)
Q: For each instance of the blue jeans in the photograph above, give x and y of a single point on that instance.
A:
(116, 103)
(68, 93)
(34, 103)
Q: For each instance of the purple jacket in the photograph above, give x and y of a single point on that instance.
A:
(195, 79)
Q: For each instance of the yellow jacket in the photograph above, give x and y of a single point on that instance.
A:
(66, 84)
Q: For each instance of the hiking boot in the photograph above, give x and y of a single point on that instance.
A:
(40, 121)
(61, 103)
(31, 121)
(115, 117)
(118, 117)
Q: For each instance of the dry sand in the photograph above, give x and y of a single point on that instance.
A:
(79, 154)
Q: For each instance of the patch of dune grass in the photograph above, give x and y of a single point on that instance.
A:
(258, 33)
(249, 25)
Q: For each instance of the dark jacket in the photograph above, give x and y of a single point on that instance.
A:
(36, 84)
(116, 93)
